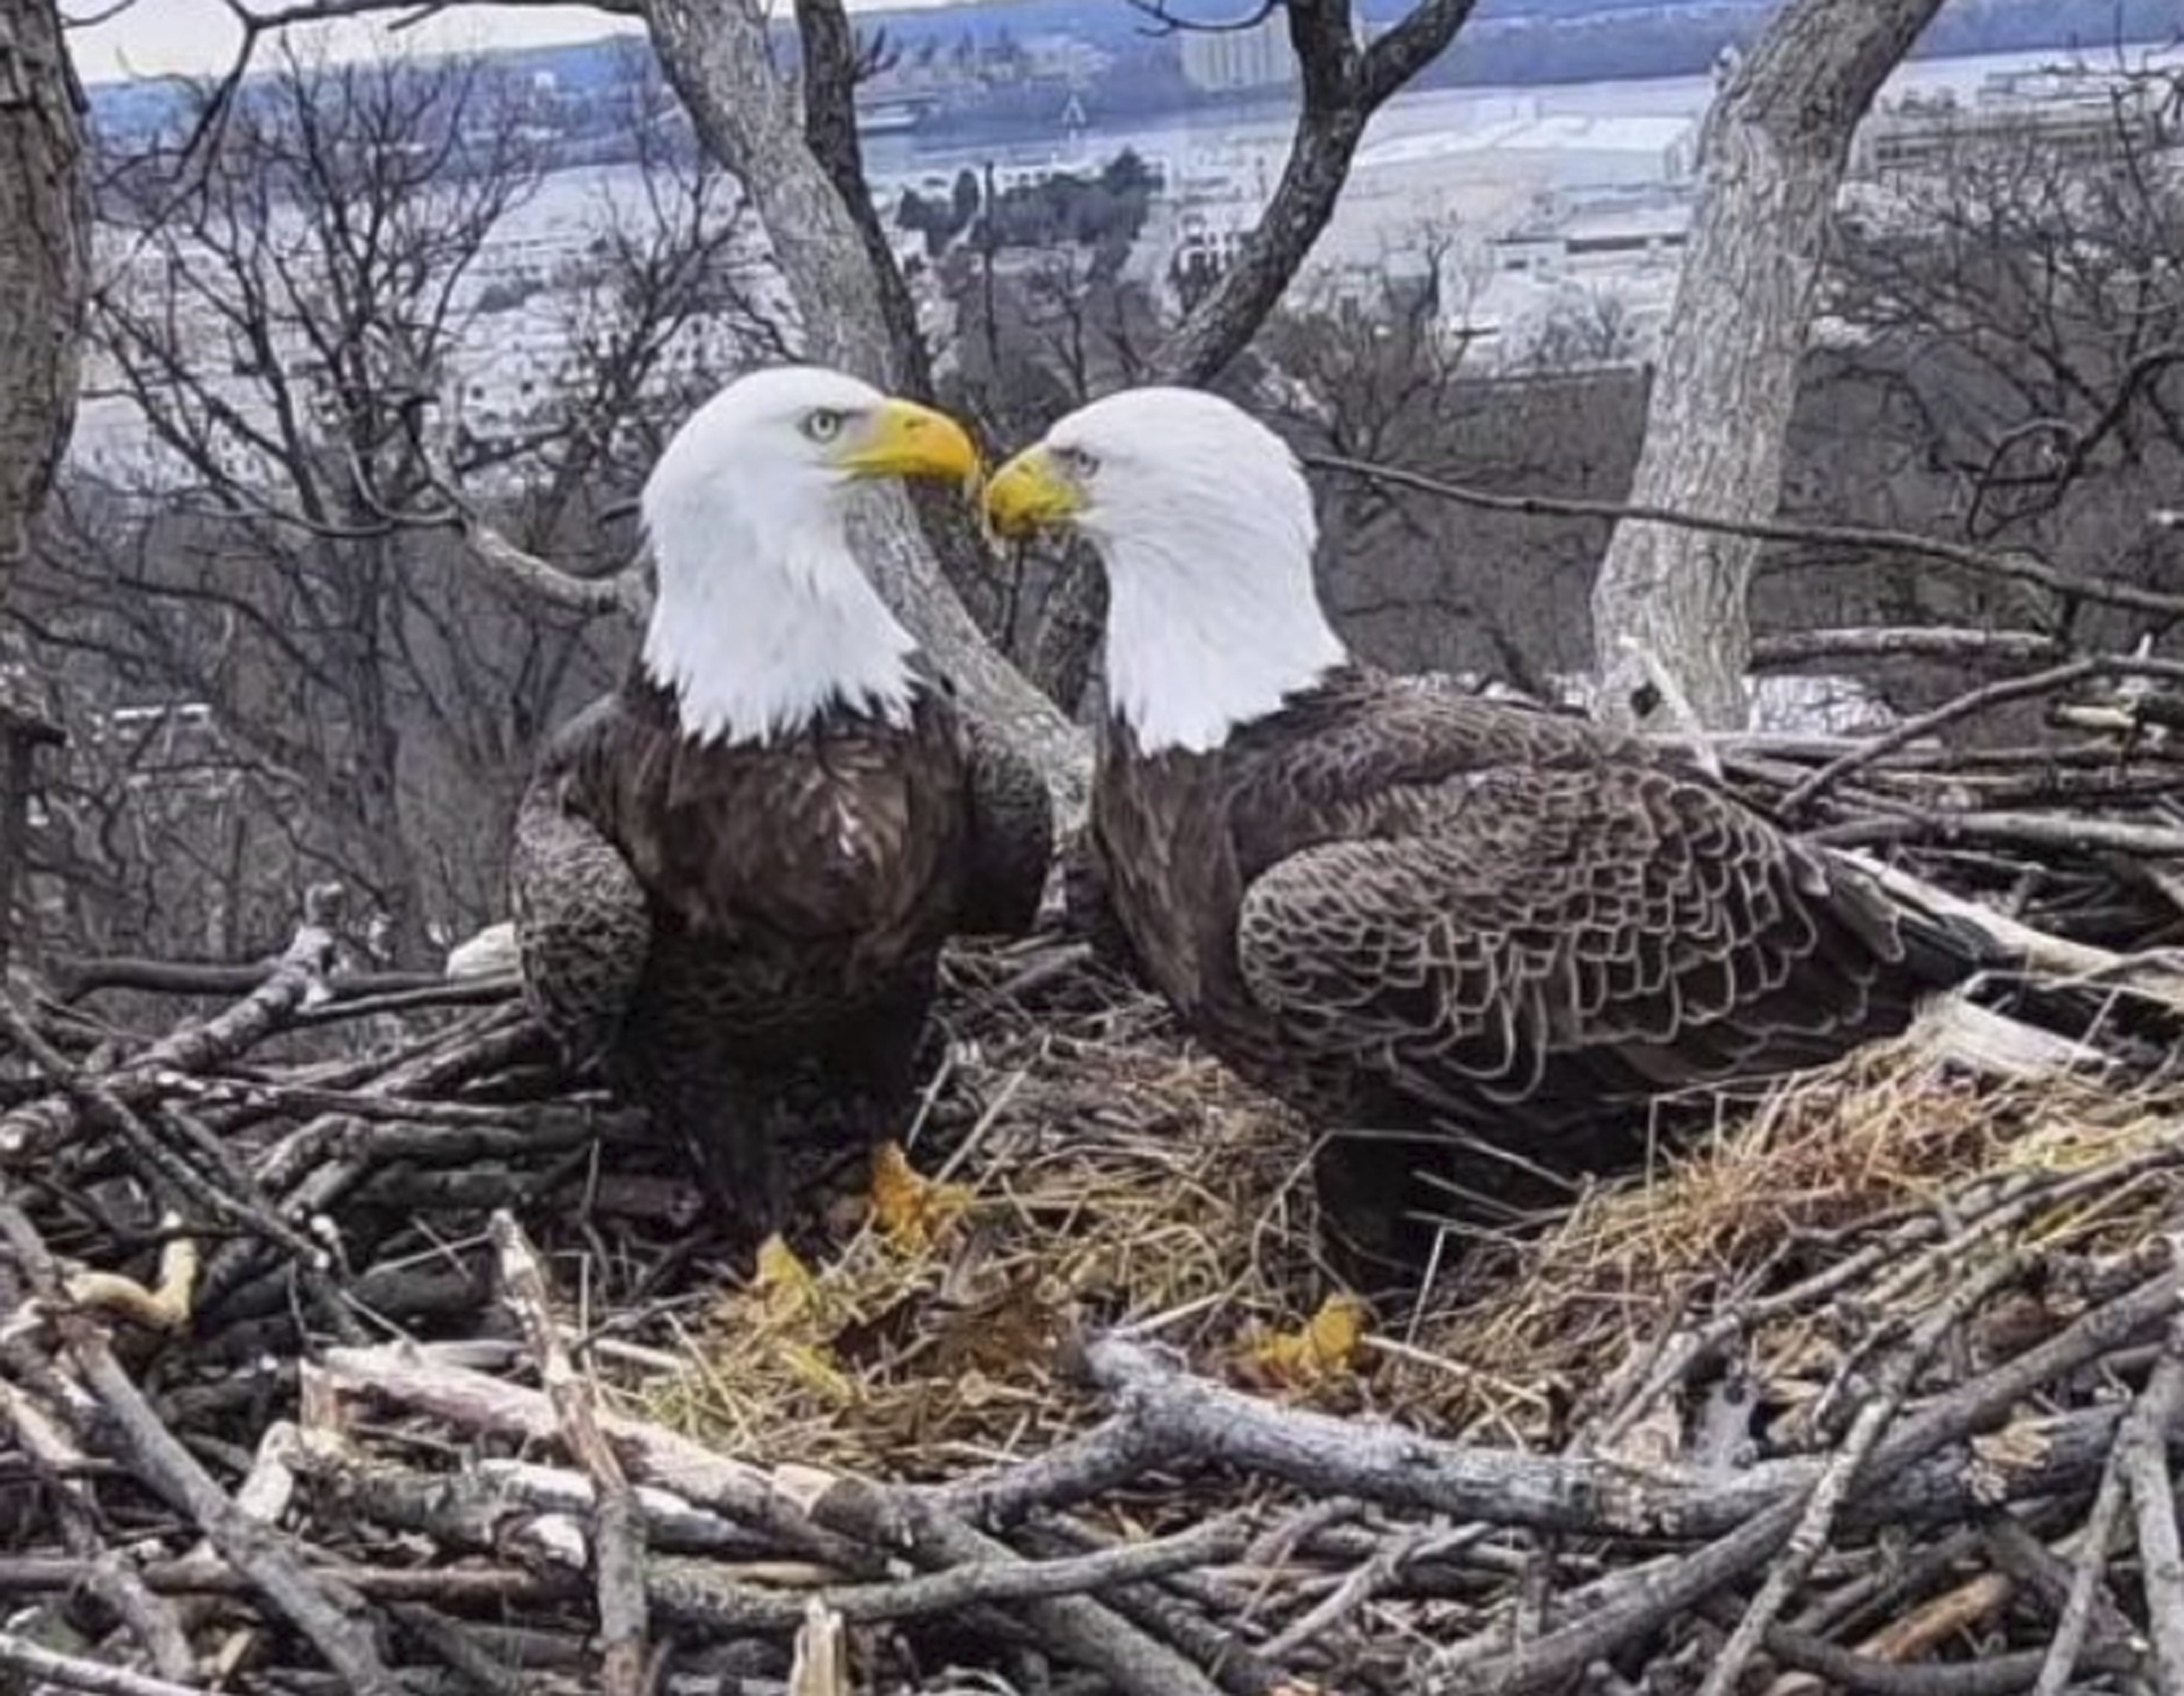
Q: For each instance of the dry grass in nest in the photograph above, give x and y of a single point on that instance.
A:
(1127, 1182)
(1132, 1186)
(1784, 1189)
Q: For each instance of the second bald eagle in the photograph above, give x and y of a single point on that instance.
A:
(1483, 940)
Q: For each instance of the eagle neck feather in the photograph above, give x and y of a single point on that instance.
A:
(1206, 633)
(759, 628)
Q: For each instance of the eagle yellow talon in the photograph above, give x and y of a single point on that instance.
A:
(785, 1286)
(1326, 1345)
(795, 1311)
(912, 1210)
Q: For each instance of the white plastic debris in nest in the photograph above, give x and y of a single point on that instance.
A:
(490, 953)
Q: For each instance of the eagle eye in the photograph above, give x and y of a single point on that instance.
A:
(823, 423)
(1076, 461)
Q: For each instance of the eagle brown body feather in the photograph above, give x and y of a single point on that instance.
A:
(1500, 934)
(747, 937)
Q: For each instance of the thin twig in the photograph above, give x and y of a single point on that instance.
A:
(2060, 1663)
(1815, 1526)
(1921, 725)
(2021, 567)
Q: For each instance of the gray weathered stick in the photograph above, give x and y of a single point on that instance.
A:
(618, 1528)
(2142, 1459)
(76, 1673)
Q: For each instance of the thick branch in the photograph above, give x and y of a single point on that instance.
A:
(618, 1531)
(830, 131)
(314, 1604)
(72, 1672)
(1909, 641)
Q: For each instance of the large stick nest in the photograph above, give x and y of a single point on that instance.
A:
(346, 1346)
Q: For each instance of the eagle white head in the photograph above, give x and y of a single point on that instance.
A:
(1204, 522)
(764, 617)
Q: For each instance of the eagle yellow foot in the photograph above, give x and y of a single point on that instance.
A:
(1329, 1346)
(785, 1285)
(801, 1316)
(910, 1210)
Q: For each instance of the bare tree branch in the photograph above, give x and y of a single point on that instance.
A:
(1343, 84)
(1987, 561)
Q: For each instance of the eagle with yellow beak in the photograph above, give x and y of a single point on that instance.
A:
(1481, 944)
(731, 877)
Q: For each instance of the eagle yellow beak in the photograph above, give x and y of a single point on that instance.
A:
(1030, 493)
(902, 439)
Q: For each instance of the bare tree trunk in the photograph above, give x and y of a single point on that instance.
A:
(715, 54)
(45, 264)
(45, 225)
(1771, 161)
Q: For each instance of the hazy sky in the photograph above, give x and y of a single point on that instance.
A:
(160, 36)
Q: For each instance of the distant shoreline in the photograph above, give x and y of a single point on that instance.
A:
(1545, 46)
(973, 128)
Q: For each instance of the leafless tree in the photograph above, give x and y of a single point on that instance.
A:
(293, 343)
(1584, 328)
(2037, 274)
(2004, 315)
(44, 241)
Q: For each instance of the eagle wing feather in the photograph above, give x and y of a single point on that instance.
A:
(1633, 927)
(1012, 833)
(584, 925)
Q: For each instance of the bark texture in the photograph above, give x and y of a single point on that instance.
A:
(716, 54)
(45, 225)
(1771, 160)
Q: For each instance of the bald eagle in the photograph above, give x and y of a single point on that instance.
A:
(731, 877)
(1480, 942)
